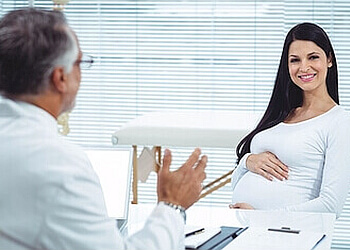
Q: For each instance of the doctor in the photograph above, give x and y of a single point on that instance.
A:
(50, 197)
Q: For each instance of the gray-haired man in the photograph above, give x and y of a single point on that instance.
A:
(50, 198)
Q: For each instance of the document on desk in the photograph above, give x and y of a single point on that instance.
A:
(192, 229)
(197, 239)
(262, 238)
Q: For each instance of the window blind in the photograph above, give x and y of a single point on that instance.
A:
(165, 55)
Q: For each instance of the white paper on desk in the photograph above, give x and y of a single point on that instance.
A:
(192, 228)
(261, 238)
(145, 163)
(196, 240)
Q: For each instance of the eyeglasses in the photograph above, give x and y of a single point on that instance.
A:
(85, 62)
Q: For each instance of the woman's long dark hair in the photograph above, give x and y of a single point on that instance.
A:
(286, 95)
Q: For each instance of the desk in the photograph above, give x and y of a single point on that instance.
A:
(217, 129)
(222, 216)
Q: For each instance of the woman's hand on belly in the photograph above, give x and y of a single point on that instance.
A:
(241, 205)
(267, 165)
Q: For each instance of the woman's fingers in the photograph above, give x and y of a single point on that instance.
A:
(275, 171)
(279, 167)
(264, 173)
(241, 205)
(267, 165)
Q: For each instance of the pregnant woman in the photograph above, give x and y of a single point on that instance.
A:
(298, 156)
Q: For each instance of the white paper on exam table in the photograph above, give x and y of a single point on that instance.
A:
(260, 238)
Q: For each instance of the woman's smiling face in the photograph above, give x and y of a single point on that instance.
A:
(308, 65)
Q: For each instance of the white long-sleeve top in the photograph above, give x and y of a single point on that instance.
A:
(317, 153)
(50, 197)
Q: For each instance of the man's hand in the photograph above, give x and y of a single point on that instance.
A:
(183, 186)
(267, 164)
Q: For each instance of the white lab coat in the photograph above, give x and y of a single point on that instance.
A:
(50, 197)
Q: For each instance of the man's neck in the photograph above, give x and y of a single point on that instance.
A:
(46, 102)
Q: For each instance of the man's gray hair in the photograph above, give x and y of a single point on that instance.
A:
(32, 43)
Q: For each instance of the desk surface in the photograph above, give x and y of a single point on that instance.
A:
(223, 129)
(222, 216)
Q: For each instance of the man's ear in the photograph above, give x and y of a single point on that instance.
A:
(59, 80)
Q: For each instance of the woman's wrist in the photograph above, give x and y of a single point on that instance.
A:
(245, 160)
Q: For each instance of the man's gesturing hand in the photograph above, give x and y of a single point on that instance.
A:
(183, 186)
